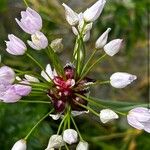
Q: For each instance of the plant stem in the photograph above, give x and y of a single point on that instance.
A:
(89, 69)
(100, 105)
(66, 146)
(88, 108)
(59, 128)
(89, 100)
(26, 3)
(89, 60)
(33, 128)
(34, 60)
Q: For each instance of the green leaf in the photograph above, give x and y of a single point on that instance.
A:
(118, 105)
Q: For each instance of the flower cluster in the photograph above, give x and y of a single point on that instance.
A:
(67, 87)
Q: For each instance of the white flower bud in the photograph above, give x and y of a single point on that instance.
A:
(57, 45)
(107, 115)
(102, 40)
(71, 16)
(75, 31)
(20, 145)
(31, 78)
(82, 146)
(113, 47)
(86, 36)
(92, 13)
(121, 79)
(55, 141)
(70, 136)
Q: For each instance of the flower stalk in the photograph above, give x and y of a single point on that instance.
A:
(34, 127)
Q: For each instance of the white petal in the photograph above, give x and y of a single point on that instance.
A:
(31, 78)
(77, 113)
(32, 45)
(20, 145)
(113, 47)
(70, 136)
(55, 116)
(71, 16)
(44, 75)
(74, 30)
(86, 36)
(102, 40)
(57, 45)
(107, 115)
(92, 13)
(121, 79)
(134, 122)
(49, 71)
(82, 146)
(55, 141)
(147, 126)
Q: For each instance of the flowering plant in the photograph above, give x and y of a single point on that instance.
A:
(67, 87)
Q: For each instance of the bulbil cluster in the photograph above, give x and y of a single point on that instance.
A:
(64, 90)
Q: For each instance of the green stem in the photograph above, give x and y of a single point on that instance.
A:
(89, 60)
(68, 116)
(26, 3)
(30, 101)
(59, 128)
(34, 127)
(66, 146)
(100, 105)
(96, 62)
(88, 108)
(34, 60)
(76, 128)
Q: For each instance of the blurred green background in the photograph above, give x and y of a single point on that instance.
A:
(128, 20)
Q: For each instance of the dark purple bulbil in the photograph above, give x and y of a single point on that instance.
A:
(64, 91)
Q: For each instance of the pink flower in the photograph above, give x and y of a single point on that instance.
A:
(139, 118)
(39, 41)
(22, 89)
(30, 22)
(92, 13)
(15, 46)
(7, 75)
(9, 92)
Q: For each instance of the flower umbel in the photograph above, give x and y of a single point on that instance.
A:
(66, 88)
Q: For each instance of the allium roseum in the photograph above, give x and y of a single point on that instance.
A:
(20, 145)
(66, 89)
(139, 118)
(113, 47)
(82, 145)
(107, 115)
(9, 92)
(70, 136)
(39, 41)
(71, 16)
(121, 79)
(92, 13)
(30, 21)
(7, 75)
(102, 40)
(55, 141)
(15, 46)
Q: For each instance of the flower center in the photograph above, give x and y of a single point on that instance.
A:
(64, 91)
